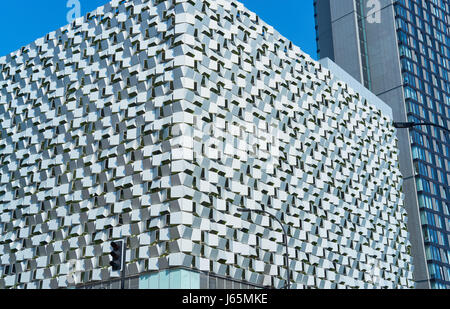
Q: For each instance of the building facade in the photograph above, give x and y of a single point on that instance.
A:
(156, 121)
(401, 50)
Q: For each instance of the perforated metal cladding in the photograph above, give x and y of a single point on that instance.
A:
(156, 120)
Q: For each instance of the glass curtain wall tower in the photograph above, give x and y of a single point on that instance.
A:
(400, 50)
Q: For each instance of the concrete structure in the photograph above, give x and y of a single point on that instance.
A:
(154, 121)
(400, 50)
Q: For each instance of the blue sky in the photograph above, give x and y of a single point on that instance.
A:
(22, 22)
(293, 19)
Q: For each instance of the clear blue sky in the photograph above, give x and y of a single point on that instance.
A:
(22, 22)
(294, 19)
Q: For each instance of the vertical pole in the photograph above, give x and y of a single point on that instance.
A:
(122, 283)
(287, 261)
(285, 236)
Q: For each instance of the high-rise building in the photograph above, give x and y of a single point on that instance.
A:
(157, 122)
(400, 50)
